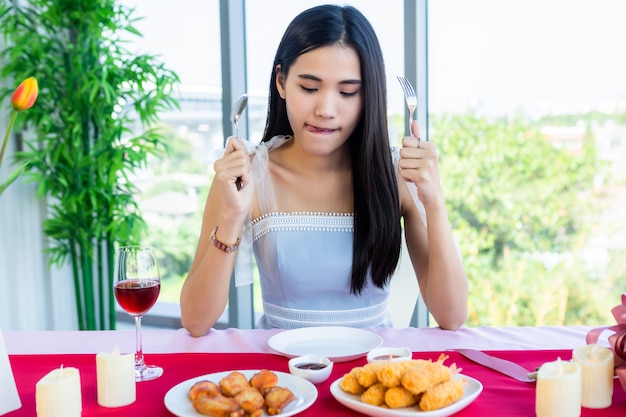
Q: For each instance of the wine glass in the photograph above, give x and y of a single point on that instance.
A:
(136, 289)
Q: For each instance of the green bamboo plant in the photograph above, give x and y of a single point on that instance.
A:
(93, 94)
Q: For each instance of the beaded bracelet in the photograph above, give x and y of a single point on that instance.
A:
(221, 245)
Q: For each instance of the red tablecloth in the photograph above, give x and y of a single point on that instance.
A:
(502, 396)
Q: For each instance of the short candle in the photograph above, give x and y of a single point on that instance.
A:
(58, 394)
(115, 378)
(596, 363)
(558, 389)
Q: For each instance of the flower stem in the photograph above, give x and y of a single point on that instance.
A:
(7, 133)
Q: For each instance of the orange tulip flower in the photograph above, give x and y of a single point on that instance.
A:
(25, 94)
(23, 98)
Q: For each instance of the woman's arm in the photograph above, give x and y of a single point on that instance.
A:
(433, 251)
(205, 291)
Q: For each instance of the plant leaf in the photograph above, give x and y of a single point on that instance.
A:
(12, 177)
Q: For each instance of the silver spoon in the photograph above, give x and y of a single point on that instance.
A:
(235, 113)
(237, 109)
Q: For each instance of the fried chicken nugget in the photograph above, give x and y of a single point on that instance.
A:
(367, 375)
(400, 397)
(218, 406)
(234, 382)
(442, 395)
(250, 399)
(204, 387)
(350, 384)
(263, 380)
(278, 398)
(391, 374)
(374, 395)
(419, 378)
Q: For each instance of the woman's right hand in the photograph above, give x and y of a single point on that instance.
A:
(233, 172)
(205, 292)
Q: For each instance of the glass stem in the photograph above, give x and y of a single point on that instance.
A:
(140, 365)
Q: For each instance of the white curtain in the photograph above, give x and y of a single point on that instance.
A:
(33, 295)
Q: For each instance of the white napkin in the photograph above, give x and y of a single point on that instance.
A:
(9, 398)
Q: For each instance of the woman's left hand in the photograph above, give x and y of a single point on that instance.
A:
(419, 164)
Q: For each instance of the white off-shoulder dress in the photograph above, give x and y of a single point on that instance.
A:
(305, 262)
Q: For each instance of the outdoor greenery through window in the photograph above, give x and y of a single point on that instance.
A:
(527, 106)
(529, 114)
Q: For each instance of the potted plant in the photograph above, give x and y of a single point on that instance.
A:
(93, 93)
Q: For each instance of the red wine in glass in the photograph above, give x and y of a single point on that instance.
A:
(136, 290)
(137, 297)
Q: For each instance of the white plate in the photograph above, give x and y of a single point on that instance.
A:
(178, 403)
(472, 387)
(339, 344)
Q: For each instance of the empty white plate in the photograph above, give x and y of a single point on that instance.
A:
(339, 344)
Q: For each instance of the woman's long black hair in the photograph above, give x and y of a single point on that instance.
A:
(377, 239)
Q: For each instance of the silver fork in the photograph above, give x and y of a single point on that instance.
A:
(411, 99)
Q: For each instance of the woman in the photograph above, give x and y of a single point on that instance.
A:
(321, 196)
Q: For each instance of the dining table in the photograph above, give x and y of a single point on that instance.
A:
(32, 354)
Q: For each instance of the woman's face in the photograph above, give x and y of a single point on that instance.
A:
(323, 96)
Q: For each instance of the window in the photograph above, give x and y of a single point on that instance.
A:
(527, 104)
(173, 190)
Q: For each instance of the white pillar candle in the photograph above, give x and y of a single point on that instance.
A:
(115, 379)
(558, 389)
(596, 365)
(58, 394)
